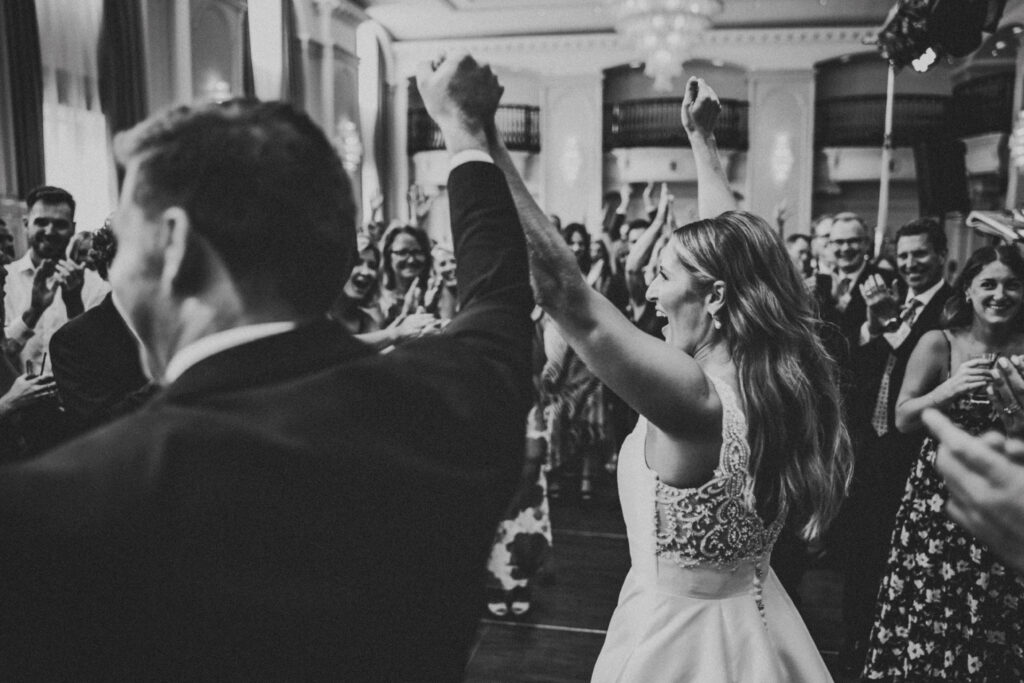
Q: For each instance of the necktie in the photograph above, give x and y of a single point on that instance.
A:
(843, 287)
(842, 293)
(880, 415)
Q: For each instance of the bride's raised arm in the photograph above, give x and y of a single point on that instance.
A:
(660, 381)
(699, 114)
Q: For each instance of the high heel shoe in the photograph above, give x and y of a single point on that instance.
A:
(519, 600)
(498, 609)
(497, 602)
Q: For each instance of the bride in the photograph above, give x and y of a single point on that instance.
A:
(740, 427)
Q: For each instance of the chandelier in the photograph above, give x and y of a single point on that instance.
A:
(663, 31)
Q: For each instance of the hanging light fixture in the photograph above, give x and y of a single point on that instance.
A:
(663, 32)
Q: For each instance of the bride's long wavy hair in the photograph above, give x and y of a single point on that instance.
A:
(800, 454)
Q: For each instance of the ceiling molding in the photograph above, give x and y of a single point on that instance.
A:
(345, 10)
(581, 53)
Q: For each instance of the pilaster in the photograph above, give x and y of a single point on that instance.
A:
(780, 171)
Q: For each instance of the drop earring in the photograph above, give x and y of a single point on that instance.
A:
(715, 322)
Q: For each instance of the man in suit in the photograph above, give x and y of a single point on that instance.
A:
(897, 317)
(818, 284)
(850, 243)
(292, 505)
(95, 357)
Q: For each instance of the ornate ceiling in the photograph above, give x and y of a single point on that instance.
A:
(445, 19)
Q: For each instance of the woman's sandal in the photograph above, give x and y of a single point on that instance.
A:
(497, 602)
(519, 600)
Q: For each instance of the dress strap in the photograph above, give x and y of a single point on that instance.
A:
(735, 456)
(949, 353)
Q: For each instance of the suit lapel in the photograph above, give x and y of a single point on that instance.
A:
(930, 314)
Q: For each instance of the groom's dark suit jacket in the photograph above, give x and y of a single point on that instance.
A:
(295, 508)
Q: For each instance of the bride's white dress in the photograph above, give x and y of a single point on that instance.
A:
(700, 602)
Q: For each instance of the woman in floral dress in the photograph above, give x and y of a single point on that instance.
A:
(948, 609)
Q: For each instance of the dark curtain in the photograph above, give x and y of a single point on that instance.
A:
(382, 137)
(122, 64)
(294, 90)
(21, 40)
(248, 82)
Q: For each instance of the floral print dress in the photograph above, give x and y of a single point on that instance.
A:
(948, 609)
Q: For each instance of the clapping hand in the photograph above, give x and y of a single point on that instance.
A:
(70, 277)
(648, 195)
(700, 108)
(883, 311)
(461, 96)
(416, 325)
(419, 203)
(43, 292)
(664, 200)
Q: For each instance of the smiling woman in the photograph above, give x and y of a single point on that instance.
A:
(948, 607)
(407, 263)
(713, 468)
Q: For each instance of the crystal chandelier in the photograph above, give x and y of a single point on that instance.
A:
(663, 31)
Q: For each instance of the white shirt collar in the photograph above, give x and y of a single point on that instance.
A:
(202, 349)
(24, 264)
(925, 296)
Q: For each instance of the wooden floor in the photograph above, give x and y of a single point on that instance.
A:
(560, 638)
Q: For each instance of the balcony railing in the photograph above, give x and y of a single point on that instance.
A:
(655, 123)
(519, 126)
(983, 105)
(860, 121)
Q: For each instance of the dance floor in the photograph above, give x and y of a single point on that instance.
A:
(558, 641)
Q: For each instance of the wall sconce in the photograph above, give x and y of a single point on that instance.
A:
(348, 144)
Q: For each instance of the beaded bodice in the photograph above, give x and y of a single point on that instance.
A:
(716, 524)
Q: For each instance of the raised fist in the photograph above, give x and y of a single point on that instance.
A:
(459, 93)
(700, 107)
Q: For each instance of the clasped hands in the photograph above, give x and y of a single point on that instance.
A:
(462, 97)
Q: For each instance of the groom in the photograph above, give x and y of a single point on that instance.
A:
(292, 505)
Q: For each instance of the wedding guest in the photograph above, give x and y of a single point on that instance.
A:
(355, 306)
(897, 317)
(406, 268)
(33, 310)
(356, 311)
(6, 243)
(443, 295)
(948, 608)
(95, 356)
(985, 474)
(523, 540)
(604, 274)
(578, 239)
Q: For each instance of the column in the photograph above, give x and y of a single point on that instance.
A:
(327, 66)
(571, 147)
(397, 108)
(1013, 191)
(183, 51)
(780, 162)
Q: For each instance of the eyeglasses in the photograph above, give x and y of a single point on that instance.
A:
(403, 253)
